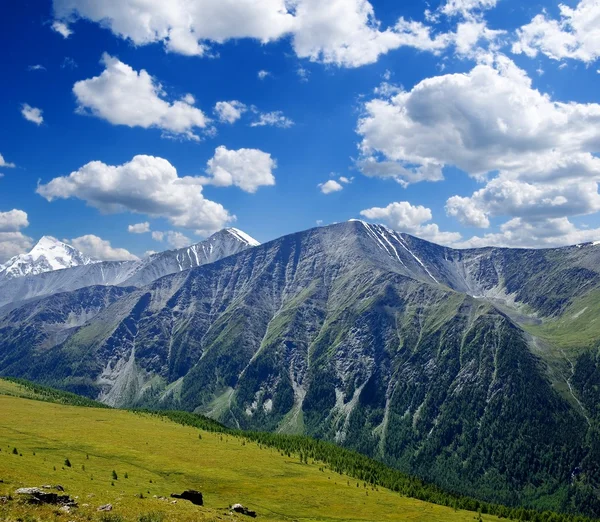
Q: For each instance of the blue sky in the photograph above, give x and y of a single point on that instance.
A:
(466, 122)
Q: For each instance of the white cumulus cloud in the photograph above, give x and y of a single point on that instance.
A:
(412, 219)
(576, 34)
(4, 163)
(62, 28)
(139, 228)
(124, 96)
(466, 7)
(537, 157)
(330, 186)
(32, 114)
(342, 32)
(230, 111)
(247, 169)
(145, 185)
(98, 248)
(12, 240)
(272, 119)
(13, 220)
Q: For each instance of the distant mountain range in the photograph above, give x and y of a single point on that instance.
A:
(50, 256)
(476, 369)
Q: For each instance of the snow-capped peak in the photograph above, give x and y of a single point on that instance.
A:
(47, 255)
(242, 236)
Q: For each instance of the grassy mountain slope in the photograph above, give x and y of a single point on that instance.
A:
(154, 456)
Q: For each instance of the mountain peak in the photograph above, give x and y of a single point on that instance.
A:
(47, 255)
(242, 236)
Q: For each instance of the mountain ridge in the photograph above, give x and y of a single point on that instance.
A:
(125, 273)
(49, 254)
(351, 333)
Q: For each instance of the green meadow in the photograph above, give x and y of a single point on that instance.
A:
(44, 443)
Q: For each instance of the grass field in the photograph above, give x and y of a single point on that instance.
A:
(153, 456)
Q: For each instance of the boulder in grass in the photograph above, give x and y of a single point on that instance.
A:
(242, 510)
(105, 507)
(195, 497)
(39, 496)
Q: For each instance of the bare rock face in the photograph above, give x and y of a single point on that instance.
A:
(39, 496)
(195, 497)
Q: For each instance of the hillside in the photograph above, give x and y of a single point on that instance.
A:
(154, 456)
(424, 357)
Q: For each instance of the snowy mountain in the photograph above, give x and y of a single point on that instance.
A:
(124, 273)
(48, 255)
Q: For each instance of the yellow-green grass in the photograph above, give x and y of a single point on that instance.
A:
(161, 457)
(576, 330)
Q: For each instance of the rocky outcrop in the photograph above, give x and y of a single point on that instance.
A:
(195, 497)
(42, 496)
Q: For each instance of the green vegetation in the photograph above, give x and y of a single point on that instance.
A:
(161, 457)
(162, 452)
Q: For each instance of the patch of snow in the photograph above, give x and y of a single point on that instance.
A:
(48, 255)
(242, 236)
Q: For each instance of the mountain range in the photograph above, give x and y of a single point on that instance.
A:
(475, 369)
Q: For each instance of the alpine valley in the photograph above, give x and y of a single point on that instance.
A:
(478, 370)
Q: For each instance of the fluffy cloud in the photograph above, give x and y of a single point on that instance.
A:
(98, 248)
(466, 7)
(12, 244)
(537, 157)
(12, 241)
(4, 163)
(177, 239)
(37, 67)
(333, 185)
(124, 96)
(490, 119)
(404, 217)
(341, 32)
(534, 234)
(405, 174)
(248, 169)
(13, 220)
(533, 201)
(139, 228)
(145, 185)
(62, 29)
(346, 32)
(262, 74)
(473, 39)
(173, 238)
(330, 186)
(32, 114)
(232, 111)
(229, 111)
(575, 35)
(272, 119)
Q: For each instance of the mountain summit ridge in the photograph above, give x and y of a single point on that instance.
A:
(124, 273)
(47, 255)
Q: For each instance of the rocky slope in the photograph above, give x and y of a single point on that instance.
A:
(396, 347)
